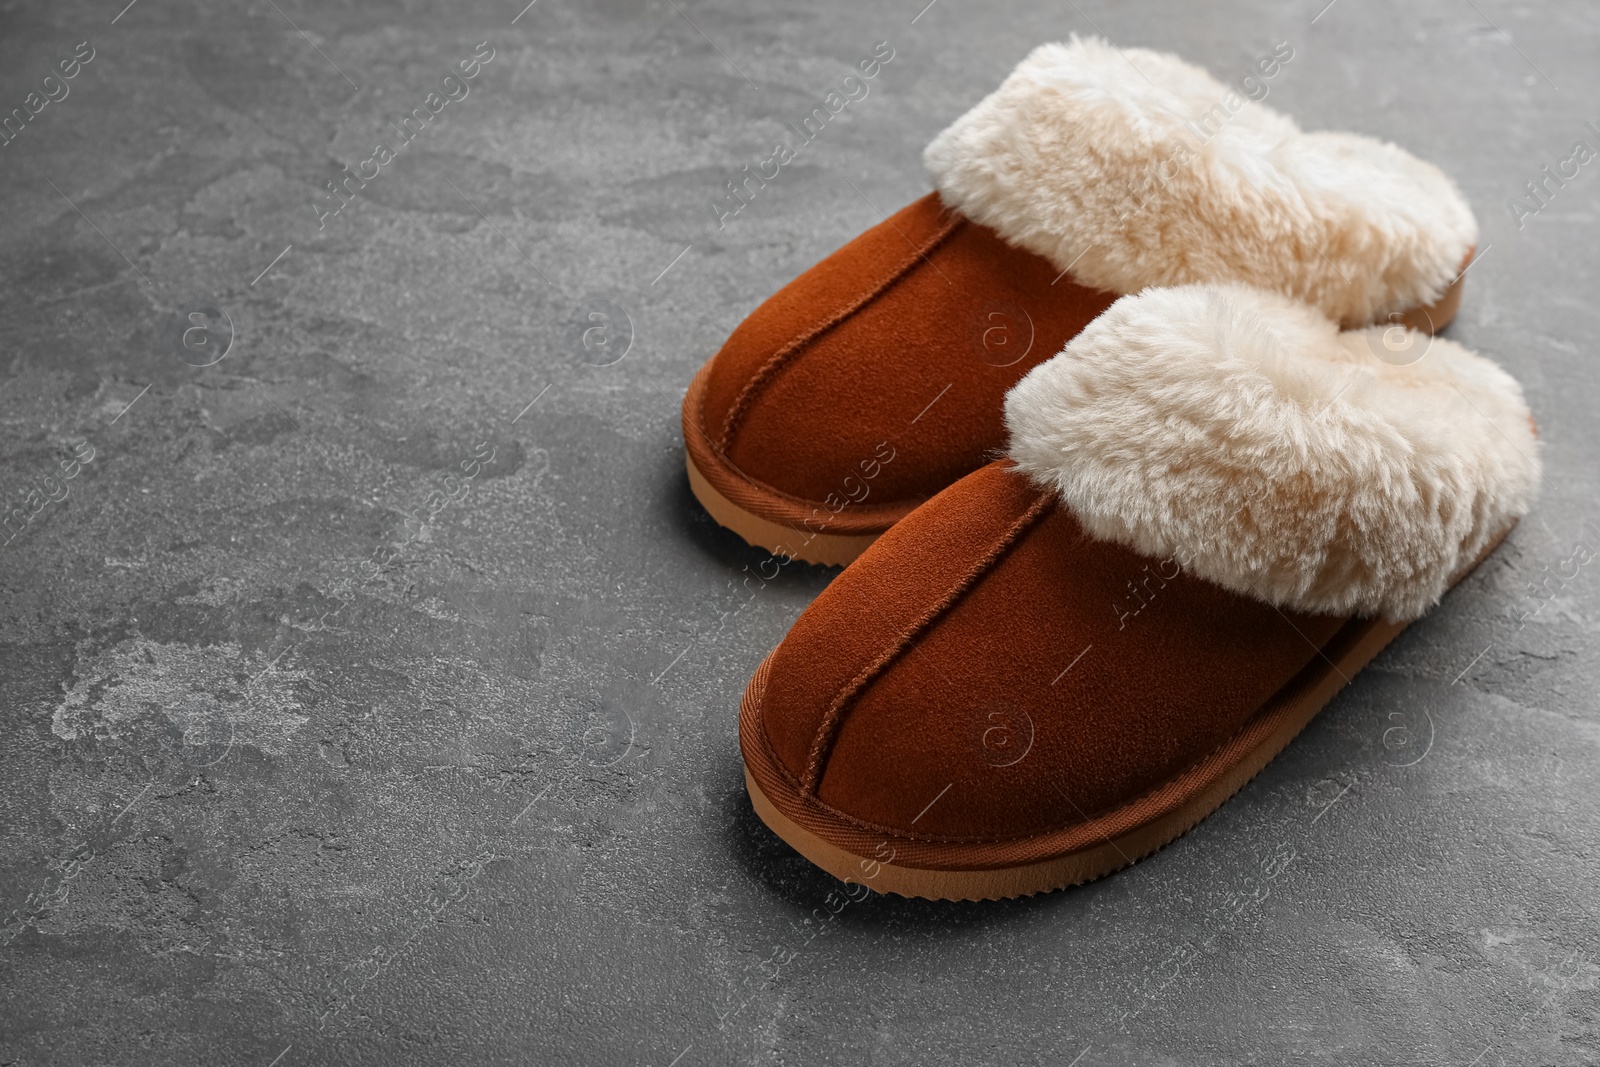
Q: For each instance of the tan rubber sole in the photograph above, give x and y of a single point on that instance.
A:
(841, 549)
(1269, 732)
(810, 546)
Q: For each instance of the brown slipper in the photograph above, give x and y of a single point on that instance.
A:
(876, 378)
(1217, 509)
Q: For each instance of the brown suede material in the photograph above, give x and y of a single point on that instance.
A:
(1170, 672)
(818, 300)
(853, 352)
(852, 622)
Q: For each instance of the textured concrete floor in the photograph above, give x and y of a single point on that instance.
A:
(369, 693)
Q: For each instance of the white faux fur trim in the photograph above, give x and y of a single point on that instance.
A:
(1133, 168)
(1241, 433)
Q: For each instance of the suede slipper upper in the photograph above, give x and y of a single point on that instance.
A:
(876, 378)
(1218, 509)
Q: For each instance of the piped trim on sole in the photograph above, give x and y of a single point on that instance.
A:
(827, 549)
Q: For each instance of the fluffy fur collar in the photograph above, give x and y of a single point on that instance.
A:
(1240, 432)
(1161, 175)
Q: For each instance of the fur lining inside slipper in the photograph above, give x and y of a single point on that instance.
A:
(1243, 434)
(1133, 168)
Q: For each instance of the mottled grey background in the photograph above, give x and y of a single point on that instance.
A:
(289, 779)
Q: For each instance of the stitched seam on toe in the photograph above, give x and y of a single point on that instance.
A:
(941, 839)
(828, 729)
(787, 353)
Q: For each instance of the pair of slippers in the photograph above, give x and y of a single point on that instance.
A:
(1236, 465)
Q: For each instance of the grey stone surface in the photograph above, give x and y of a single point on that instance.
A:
(318, 750)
